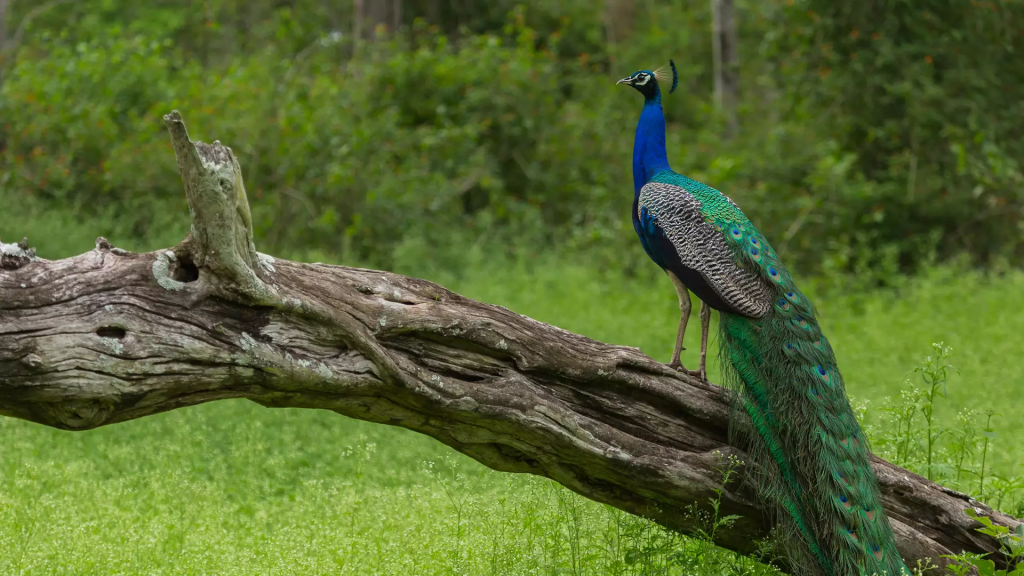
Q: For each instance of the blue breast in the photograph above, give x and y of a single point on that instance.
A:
(651, 235)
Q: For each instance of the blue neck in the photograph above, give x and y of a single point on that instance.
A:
(649, 155)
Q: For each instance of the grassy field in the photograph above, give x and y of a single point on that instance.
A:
(233, 488)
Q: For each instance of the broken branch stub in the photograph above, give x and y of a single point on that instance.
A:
(109, 336)
(221, 234)
(14, 256)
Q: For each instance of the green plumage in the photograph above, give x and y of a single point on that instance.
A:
(803, 435)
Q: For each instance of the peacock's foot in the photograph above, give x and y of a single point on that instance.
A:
(678, 366)
(702, 374)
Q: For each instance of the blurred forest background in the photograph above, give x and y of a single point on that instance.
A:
(484, 144)
(865, 137)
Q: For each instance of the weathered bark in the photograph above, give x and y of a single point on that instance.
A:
(109, 336)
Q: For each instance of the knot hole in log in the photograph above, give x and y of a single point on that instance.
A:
(115, 332)
(184, 270)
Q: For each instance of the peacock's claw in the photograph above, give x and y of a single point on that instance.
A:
(678, 366)
(701, 374)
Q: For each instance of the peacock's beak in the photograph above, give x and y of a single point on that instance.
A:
(626, 80)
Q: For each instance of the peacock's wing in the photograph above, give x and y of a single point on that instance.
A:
(693, 244)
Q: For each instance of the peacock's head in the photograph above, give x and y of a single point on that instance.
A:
(646, 81)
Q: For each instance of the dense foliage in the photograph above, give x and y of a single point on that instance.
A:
(873, 135)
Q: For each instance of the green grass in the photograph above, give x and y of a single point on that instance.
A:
(233, 488)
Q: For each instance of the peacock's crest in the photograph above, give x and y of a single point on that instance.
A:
(662, 75)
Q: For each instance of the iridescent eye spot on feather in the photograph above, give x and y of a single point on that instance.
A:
(823, 374)
(845, 501)
(753, 241)
(755, 254)
(870, 514)
(737, 233)
(793, 297)
(801, 322)
(774, 274)
(877, 552)
(789, 347)
(783, 305)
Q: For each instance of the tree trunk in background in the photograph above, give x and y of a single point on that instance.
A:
(371, 13)
(618, 19)
(3, 26)
(727, 82)
(4, 5)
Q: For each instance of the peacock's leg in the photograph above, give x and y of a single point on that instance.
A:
(705, 324)
(684, 309)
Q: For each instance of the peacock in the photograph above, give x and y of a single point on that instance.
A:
(803, 434)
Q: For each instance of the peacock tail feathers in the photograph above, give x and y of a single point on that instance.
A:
(786, 372)
(803, 434)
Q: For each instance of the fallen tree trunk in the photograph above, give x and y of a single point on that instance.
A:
(109, 336)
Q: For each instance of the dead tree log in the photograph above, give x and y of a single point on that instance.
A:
(109, 336)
